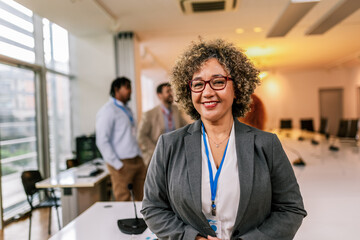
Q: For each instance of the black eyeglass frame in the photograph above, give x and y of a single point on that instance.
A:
(227, 78)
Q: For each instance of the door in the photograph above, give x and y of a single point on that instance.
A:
(331, 102)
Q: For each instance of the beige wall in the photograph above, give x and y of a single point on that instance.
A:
(295, 94)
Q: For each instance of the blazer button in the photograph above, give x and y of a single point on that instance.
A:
(236, 232)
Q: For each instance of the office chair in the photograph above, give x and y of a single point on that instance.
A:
(307, 124)
(323, 125)
(70, 163)
(353, 128)
(343, 128)
(29, 179)
(285, 123)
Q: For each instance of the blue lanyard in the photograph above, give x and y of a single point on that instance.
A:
(213, 182)
(125, 111)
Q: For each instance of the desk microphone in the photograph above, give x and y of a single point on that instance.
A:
(132, 225)
(299, 161)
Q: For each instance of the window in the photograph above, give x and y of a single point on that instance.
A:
(22, 104)
(59, 121)
(16, 28)
(56, 47)
(18, 140)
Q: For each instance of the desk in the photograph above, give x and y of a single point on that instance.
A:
(78, 193)
(100, 222)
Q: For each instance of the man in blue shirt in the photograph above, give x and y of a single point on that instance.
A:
(116, 140)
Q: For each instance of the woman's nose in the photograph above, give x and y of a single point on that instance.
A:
(208, 91)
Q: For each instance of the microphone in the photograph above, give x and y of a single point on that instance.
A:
(299, 161)
(132, 225)
(130, 187)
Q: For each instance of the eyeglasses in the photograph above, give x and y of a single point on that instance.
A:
(216, 83)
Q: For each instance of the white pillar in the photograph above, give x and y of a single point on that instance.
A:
(128, 65)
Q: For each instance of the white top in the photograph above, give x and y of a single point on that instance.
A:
(115, 134)
(228, 188)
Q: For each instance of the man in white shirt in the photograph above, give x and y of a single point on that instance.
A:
(162, 119)
(116, 140)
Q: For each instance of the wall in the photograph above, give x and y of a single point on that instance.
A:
(94, 69)
(295, 94)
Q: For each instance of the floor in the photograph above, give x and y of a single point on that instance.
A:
(19, 230)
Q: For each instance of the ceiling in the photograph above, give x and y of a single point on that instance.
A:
(164, 30)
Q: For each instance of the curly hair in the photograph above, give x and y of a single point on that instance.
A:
(236, 64)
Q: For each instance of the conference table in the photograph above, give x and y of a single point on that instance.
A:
(100, 222)
(79, 190)
(329, 183)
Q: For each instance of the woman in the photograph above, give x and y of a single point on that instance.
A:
(218, 178)
(256, 117)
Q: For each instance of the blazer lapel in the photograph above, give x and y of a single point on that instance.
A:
(244, 141)
(193, 160)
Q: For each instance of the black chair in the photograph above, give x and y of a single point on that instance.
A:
(285, 124)
(343, 128)
(29, 179)
(307, 124)
(70, 163)
(323, 125)
(353, 128)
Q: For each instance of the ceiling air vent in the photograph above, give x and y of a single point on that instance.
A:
(200, 6)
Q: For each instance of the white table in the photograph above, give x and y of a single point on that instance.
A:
(329, 183)
(78, 192)
(100, 222)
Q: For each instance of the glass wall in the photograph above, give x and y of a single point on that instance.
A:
(58, 90)
(23, 59)
(18, 132)
(16, 28)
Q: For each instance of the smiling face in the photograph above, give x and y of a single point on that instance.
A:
(213, 106)
(166, 96)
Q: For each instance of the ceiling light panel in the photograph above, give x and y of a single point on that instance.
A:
(341, 11)
(293, 13)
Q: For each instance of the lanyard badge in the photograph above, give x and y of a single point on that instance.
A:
(127, 112)
(213, 182)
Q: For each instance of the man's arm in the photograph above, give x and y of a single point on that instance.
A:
(146, 144)
(104, 130)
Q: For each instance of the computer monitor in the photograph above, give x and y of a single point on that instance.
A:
(86, 149)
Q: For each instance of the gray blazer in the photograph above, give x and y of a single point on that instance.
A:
(270, 205)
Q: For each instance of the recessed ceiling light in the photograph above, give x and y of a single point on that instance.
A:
(239, 31)
(258, 29)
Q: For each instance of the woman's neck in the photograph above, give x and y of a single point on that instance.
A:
(217, 129)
